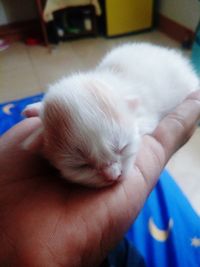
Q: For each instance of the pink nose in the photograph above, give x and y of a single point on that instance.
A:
(112, 172)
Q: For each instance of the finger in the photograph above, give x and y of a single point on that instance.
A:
(177, 127)
(172, 132)
(18, 133)
(13, 154)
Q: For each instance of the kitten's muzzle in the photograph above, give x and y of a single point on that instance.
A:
(112, 172)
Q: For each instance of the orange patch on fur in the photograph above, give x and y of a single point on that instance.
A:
(57, 125)
(103, 99)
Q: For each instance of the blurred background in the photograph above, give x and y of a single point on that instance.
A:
(41, 41)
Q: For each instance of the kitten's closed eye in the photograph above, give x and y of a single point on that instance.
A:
(83, 163)
(122, 150)
(126, 152)
(84, 166)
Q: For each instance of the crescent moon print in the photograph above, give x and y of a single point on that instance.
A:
(159, 234)
(7, 108)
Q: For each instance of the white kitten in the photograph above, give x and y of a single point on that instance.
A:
(93, 122)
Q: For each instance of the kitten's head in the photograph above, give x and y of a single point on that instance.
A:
(88, 134)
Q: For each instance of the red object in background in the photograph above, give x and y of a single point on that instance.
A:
(32, 41)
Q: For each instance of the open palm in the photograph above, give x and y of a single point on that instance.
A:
(46, 222)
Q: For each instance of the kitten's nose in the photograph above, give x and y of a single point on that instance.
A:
(112, 172)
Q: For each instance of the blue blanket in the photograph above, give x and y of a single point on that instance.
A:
(167, 230)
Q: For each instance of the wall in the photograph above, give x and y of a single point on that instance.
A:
(185, 12)
(16, 10)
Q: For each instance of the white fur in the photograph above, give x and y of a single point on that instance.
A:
(98, 117)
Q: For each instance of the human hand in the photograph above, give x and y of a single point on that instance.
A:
(46, 222)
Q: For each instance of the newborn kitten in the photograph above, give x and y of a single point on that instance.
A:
(93, 121)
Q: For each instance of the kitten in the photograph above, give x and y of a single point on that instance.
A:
(93, 121)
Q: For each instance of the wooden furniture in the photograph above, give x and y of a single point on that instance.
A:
(81, 21)
(79, 9)
(40, 5)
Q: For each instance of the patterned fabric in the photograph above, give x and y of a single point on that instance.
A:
(167, 231)
(10, 112)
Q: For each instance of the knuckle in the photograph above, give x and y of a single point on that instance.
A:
(179, 120)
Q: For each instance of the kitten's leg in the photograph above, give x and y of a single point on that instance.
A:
(32, 110)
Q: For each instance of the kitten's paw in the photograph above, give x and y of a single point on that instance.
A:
(32, 110)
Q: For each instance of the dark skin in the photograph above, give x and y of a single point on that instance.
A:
(45, 222)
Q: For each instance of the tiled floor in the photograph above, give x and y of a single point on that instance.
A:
(27, 70)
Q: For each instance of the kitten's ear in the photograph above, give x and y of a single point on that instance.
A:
(34, 142)
(133, 102)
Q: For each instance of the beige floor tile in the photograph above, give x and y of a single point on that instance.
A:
(154, 37)
(49, 67)
(65, 59)
(90, 51)
(15, 57)
(185, 168)
(18, 83)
